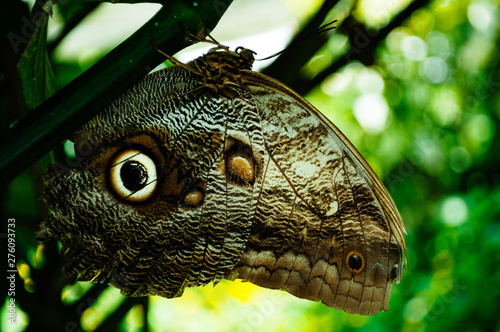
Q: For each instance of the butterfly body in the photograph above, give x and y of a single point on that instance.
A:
(209, 170)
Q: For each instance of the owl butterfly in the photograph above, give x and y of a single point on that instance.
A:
(209, 170)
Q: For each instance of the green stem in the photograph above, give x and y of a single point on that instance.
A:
(75, 104)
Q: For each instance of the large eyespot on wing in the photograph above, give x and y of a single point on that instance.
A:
(132, 175)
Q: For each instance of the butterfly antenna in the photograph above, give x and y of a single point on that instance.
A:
(324, 28)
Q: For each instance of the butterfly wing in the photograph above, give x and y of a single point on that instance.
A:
(325, 228)
(253, 184)
(194, 226)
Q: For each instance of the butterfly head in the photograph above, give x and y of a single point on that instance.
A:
(221, 69)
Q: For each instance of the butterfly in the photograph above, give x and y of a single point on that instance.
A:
(207, 171)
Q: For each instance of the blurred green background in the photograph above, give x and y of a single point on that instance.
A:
(422, 105)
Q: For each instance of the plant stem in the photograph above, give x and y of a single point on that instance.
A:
(75, 104)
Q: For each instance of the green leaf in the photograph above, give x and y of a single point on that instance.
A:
(35, 69)
(75, 104)
(34, 66)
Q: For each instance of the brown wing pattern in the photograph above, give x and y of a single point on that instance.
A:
(214, 171)
(320, 204)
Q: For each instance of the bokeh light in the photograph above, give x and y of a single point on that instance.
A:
(424, 110)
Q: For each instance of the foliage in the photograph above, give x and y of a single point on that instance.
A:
(421, 104)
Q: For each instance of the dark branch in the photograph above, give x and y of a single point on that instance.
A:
(75, 104)
(300, 49)
(358, 50)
